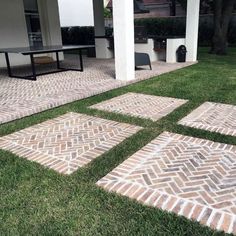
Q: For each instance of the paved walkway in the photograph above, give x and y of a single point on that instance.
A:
(141, 105)
(67, 142)
(214, 117)
(20, 98)
(189, 176)
(192, 177)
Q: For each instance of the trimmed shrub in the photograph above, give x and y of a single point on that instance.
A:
(176, 27)
(155, 27)
(163, 26)
(77, 35)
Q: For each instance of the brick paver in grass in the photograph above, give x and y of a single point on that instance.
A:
(67, 142)
(215, 117)
(192, 177)
(141, 105)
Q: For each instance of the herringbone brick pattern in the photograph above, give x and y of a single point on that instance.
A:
(20, 98)
(67, 142)
(192, 177)
(215, 117)
(141, 105)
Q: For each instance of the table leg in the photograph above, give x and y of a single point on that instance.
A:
(81, 60)
(33, 67)
(58, 61)
(8, 65)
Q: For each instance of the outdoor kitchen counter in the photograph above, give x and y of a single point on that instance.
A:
(159, 48)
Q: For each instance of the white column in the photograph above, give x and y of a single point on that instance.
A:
(50, 25)
(102, 44)
(192, 26)
(13, 31)
(98, 12)
(106, 2)
(123, 23)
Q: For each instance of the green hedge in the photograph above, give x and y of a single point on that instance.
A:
(154, 26)
(80, 35)
(176, 27)
(163, 26)
(77, 35)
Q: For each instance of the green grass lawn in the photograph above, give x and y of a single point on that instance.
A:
(38, 201)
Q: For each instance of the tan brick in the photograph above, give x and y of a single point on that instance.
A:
(69, 141)
(141, 105)
(153, 170)
(132, 190)
(24, 98)
(146, 195)
(178, 206)
(226, 223)
(138, 193)
(215, 220)
(161, 200)
(206, 215)
(153, 199)
(170, 203)
(218, 118)
(234, 227)
(187, 209)
(196, 212)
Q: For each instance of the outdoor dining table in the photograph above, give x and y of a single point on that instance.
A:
(31, 51)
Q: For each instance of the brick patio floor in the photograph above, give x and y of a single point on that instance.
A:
(141, 105)
(20, 98)
(215, 117)
(67, 142)
(189, 176)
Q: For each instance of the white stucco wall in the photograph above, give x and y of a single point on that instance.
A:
(106, 2)
(50, 22)
(171, 48)
(192, 26)
(147, 48)
(123, 18)
(76, 12)
(13, 32)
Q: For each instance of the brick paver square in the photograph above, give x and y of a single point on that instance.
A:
(215, 117)
(192, 177)
(141, 105)
(67, 142)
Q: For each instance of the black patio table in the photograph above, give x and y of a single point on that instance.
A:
(31, 51)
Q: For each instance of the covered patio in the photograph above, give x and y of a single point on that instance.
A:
(20, 98)
(124, 43)
(38, 26)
